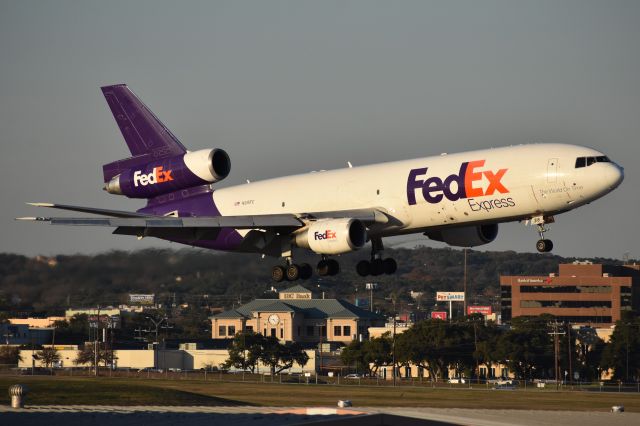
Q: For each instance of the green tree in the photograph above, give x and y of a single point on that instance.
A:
(528, 348)
(10, 355)
(354, 354)
(622, 353)
(244, 351)
(87, 356)
(378, 352)
(48, 356)
(280, 356)
(590, 349)
(487, 343)
(436, 345)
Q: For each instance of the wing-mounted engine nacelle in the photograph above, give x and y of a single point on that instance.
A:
(333, 236)
(171, 174)
(468, 236)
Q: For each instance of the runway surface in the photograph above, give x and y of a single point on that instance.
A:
(72, 415)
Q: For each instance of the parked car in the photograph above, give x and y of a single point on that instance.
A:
(502, 381)
(457, 380)
(353, 376)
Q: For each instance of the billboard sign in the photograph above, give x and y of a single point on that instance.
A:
(484, 310)
(362, 302)
(143, 299)
(450, 296)
(441, 315)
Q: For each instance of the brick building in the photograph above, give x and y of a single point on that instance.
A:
(581, 293)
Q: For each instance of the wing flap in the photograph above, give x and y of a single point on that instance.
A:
(238, 222)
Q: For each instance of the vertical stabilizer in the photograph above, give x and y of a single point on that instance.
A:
(143, 132)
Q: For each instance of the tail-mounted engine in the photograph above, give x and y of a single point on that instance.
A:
(171, 174)
(333, 236)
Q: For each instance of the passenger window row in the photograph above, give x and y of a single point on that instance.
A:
(587, 161)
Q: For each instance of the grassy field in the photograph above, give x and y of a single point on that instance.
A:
(119, 391)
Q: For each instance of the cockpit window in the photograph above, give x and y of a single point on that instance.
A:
(587, 161)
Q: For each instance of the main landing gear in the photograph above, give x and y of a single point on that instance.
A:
(543, 245)
(293, 272)
(377, 265)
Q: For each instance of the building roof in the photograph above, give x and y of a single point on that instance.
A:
(296, 289)
(310, 308)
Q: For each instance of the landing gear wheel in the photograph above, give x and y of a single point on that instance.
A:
(305, 271)
(390, 266)
(277, 273)
(323, 268)
(377, 267)
(293, 272)
(544, 246)
(334, 266)
(363, 268)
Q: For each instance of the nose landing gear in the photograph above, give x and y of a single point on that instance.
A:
(543, 245)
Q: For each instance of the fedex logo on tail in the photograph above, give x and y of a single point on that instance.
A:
(157, 175)
(465, 184)
(326, 235)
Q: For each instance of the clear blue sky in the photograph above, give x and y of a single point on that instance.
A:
(293, 86)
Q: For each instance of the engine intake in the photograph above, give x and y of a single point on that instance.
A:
(333, 236)
(468, 236)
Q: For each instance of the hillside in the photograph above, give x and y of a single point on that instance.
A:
(220, 280)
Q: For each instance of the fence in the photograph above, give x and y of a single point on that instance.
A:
(335, 380)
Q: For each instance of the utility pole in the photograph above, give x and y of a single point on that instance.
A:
(393, 349)
(157, 325)
(556, 351)
(464, 282)
(570, 352)
(95, 345)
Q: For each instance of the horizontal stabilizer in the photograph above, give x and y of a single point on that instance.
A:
(90, 210)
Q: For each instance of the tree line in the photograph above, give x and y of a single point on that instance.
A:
(205, 278)
(527, 349)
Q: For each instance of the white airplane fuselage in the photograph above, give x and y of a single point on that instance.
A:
(502, 184)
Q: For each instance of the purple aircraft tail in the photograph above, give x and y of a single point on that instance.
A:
(147, 138)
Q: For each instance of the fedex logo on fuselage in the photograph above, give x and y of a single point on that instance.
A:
(467, 184)
(157, 175)
(326, 235)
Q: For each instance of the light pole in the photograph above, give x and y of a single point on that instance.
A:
(371, 287)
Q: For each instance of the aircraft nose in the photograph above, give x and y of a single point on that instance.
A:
(614, 176)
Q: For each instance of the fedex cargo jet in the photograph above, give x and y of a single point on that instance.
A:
(456, 198)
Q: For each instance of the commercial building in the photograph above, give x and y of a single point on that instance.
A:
(169, 359)
(297, 316)
(581, 293)
(22, 334)
(36, 322)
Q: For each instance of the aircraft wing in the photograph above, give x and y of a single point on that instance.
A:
(196, 228)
